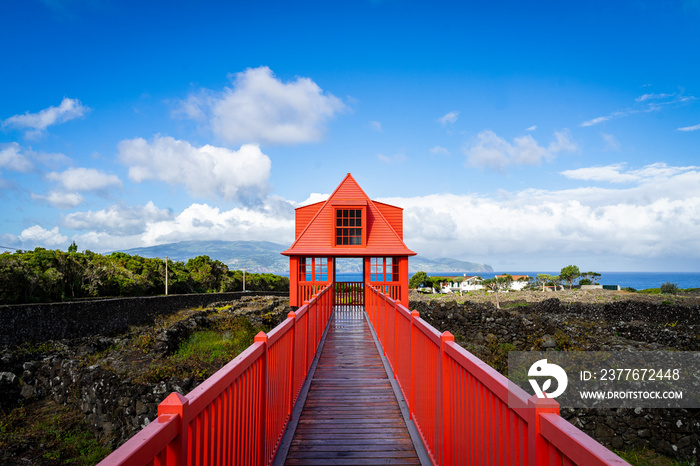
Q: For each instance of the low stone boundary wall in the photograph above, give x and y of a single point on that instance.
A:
(36, 323)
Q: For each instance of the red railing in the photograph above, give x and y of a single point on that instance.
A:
(349, 293)
(464, 410)
(306, 290)
(238, 415)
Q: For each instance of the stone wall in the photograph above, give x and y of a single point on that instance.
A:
(35, 323)
(490, 333)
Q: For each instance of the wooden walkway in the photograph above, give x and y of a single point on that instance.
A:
(351, 415)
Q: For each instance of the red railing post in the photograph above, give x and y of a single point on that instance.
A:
(177, 404)
(396, 341)
(446, 404)
(261, 337)
(306, 340)
(537, 445)
(412, 368)
(290, 407)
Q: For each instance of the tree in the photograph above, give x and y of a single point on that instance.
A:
(497, 284)
(543, 279)
(589, 278)
(72, 248)
(418, 280)
(569, 274)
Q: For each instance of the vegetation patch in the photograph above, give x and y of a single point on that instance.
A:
(646, 457)
(203, 352)
(46, 432)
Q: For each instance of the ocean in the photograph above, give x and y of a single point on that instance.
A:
(636, 280)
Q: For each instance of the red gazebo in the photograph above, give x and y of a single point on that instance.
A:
(348, 224)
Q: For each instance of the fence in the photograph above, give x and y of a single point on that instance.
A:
(237, 416)
(460, 405)
(349, 293)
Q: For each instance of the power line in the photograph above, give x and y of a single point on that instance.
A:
(14, 249)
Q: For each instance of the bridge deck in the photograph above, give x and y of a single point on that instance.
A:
(351, 415)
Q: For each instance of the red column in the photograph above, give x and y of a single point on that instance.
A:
(446, 405)
(293, 281)
(177, 404)
(403, 280)
(537, 445)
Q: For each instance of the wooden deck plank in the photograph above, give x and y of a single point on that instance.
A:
(351, 415)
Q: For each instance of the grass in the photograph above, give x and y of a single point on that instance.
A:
(46, 432)
(645, 457)
(204, 352)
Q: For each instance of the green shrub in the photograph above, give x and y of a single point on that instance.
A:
(669, 288)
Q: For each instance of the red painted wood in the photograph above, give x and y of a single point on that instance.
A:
(480, 419)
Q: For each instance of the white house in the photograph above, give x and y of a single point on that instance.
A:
(461, 284)
(519, 281)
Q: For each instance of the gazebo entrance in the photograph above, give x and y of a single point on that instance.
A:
(348, 274)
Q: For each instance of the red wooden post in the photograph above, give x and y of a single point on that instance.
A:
(446, 405)
(261, 337)
(177, 404)
(537, 445)
(385, 313)
(412, 365)
(396, 341)
(306, 340)
(290, 408)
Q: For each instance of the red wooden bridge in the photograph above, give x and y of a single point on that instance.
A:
(354, 377)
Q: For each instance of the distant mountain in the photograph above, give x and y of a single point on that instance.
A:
(445, 265)
(255, 256)
(264, 256)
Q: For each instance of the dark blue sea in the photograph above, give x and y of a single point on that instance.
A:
(636, 280)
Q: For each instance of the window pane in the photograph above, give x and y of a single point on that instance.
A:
(352, 213)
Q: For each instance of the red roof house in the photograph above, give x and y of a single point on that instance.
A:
(348, 224)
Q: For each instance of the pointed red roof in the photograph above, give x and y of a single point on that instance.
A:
(317, 235)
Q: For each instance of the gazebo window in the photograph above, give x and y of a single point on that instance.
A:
(313, 269)
(348, 227)
(384, 269)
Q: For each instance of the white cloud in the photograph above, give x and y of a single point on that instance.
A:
(616, 173)
(36, 123)
(39, 236)
(439, 150)
(85, 179)
(602, 119)
(118, 220)
(392, 159)
(449, 117)
(656, 216)
(532, 128)
(377, 126)
(611, 142)
(12, 158)
(645, 103)
(207, 171)
(61, 200)
(645, 97)
(314, 198)
(690, 128)
(123, 228)
(493, 151)
(259, 108)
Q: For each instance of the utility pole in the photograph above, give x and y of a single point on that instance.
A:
(243, 278)
(166, 275)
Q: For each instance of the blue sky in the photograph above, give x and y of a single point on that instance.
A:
(527, 136)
